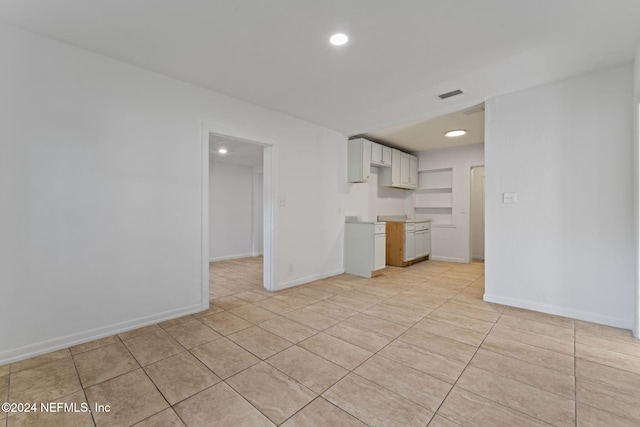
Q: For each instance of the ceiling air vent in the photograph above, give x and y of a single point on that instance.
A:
(450, 94)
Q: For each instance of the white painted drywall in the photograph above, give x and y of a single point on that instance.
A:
(636, 186)
(476, 212)
(451, 243)
(367, 200)
(567, 246)
(230, 211)
(257, 231)
(101, 179)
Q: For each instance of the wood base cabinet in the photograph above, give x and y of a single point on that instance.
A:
(408, 242)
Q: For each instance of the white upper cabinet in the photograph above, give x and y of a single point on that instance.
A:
(359, 160)
(403, 172)
(380, 155)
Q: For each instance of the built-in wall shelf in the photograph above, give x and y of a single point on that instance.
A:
(434, 196)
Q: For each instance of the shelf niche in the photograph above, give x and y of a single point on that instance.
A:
(434, 196)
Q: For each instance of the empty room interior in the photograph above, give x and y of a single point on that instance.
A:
(305, 213)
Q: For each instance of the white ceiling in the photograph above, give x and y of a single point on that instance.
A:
(239, 152)
(401, 53)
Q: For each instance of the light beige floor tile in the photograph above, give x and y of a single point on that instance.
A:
(536, 355)
(211, 310)
(468, 409)
(454, 350)
(151, 347)
(262, 343)
(276, 305)
(592, 417)
(192, 333)
(39, 360)
(310, 370)
(335, 350)
(461, 321)
(140, 331)
(91, 345)
(363, 338)
(5, 369)
(375, 324)
(104, 363)
(220, 404)
(166, 418)
(4, 390)
(288, 329)
(604, 331)
(228, 302)
(273, 393)
(333, 311)
(622, 402)
(393, 314)
(375, 405)
(560, 345)
(350, 303)
(250, 296)
(607, 357)
(132, 398)
(44, 382)
(529, 325)
(73, 416)
(253, 313)
(532, 401)
(224, 357)
(311, 318)
(430, 363)
(174, 322)
(322, 413)
(414, 385)
(480, 314)
(447, 330)
(438, 421)
(225, 323)
(631, 348)
(409, 305)
(180, 376)
(551, 319)
(617, 378)
(527, 373)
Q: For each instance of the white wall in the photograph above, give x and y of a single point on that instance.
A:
(636, 188)
(101, 177)
(451, 243)
(368, 200)
(567, 246)
(230, 211)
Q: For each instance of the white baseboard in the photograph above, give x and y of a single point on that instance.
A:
(59, 343)
(308, 279)
(223, 258)
(616, 322)
(448, 259)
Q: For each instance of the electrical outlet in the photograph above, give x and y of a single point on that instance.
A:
(282, 201)
(291, 267)
(510, 198)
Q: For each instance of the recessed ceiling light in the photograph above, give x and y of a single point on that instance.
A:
(338, 39)
(454, 133)
(222, 150)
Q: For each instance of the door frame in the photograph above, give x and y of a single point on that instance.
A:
(207, 128)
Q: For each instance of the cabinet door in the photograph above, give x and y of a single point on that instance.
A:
(376, 153)
(380, 252)
(420, 247)
(409, 245)
(386, 156)
(404, 170)
(427, 243)
(413, 172)
(359, 160)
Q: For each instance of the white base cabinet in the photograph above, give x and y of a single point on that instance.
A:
(364, 248)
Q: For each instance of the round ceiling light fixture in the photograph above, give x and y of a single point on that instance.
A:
(222, 150)
(338, 39)
(454, 133)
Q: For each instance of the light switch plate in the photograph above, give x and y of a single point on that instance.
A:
(510, 198)
(282, 201)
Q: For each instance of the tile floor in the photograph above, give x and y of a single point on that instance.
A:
(415, 346)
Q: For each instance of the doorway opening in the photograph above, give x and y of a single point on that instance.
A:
(476, 215)
(237, 215)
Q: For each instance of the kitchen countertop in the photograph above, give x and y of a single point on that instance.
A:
(400, 218)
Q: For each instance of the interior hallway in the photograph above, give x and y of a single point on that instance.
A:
(415, 346)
